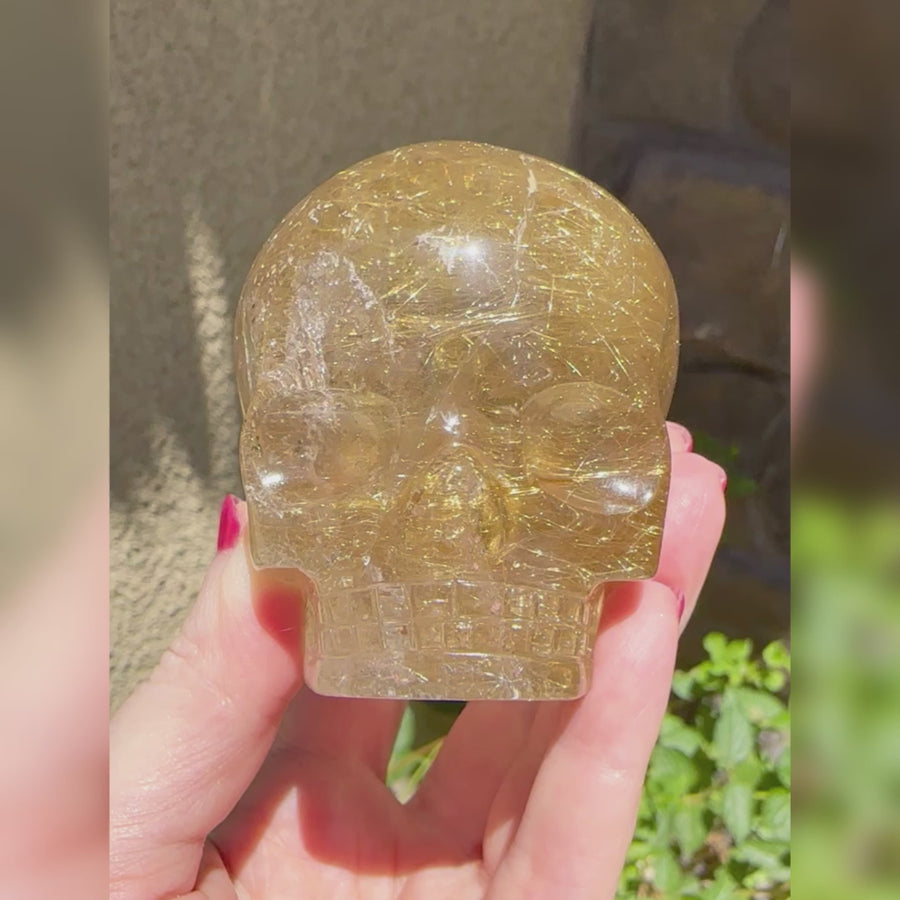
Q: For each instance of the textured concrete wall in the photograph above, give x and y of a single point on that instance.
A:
(223, 115)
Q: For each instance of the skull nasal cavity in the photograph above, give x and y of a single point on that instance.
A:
(452, 516)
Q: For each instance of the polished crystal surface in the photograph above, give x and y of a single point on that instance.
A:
(454, 364)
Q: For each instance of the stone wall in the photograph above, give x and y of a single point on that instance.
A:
(685, 114)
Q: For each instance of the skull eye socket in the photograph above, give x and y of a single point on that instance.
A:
(319, 445)
(498, 373)
(594, 448)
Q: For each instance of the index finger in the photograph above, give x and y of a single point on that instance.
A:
(188, 742)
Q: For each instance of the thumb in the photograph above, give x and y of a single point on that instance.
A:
(188, 742)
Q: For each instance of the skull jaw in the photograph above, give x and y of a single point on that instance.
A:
(451, 640)
(412, 626)
(518, 632)
(462, 676)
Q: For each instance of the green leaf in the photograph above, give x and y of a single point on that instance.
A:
(731, 660)
(628, 882)
(739, 651)
(777, 656)
(761, 881)
(737, 810)
(667, 873)
(678, 735)
(705, 679)
(406, 770)
(425, 757)
(671, 774)
(704, 718)
(683, 685)
(775, 817)
(723, 886)
(690, 827)
(774, 681)
(759, 707)
(750, 674)
(405, 734)
(663, 827)
(770, 856)
(639, 850)
(714, 801)
(714, 644)
(733, 734)
(645, 810)
(748, 772)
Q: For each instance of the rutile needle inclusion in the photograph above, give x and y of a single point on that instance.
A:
(454, 364)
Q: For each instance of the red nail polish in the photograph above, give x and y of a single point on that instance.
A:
(723, 480)
(680, 604)
(229, 524)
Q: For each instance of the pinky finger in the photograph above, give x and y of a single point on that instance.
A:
(578, 820)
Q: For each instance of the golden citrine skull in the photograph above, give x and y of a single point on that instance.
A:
(454, 364)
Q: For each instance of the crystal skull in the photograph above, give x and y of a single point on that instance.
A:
(454, 364)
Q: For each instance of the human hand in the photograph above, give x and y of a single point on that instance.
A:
(230, 780)
(806, 336)
(54, 689)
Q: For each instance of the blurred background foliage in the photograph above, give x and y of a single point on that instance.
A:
(846, 557)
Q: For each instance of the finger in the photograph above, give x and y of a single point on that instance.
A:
(510, 798)
(621, 672)
(489, 760)
(579, 818)
(188, 742)
(343, 728)
(476, 755)
(695, 515)
(213, 880)
(680, 439)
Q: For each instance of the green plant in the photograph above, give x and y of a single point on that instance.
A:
(419, 738)
(846, 621)
(714, 821)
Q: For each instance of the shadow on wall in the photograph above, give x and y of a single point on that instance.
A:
(222, 122)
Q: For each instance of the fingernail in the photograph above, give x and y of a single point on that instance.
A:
(687, 438)
(229, 524)
(723, 475)
(680, 604)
